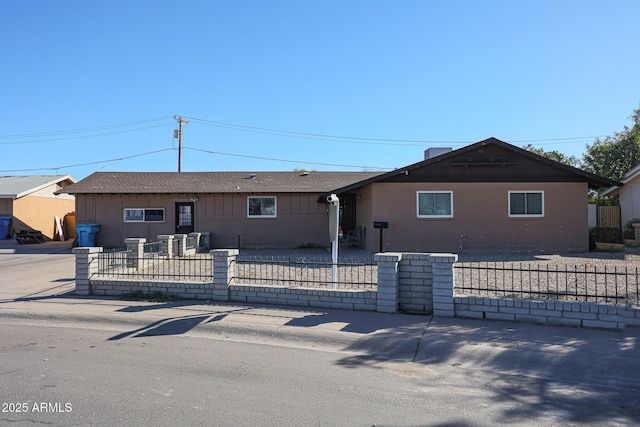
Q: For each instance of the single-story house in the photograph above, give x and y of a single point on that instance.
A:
(239, 209)
(629, 195)
(33, 202)
(488, 195)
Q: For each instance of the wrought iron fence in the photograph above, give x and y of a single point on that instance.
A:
(351, 273)
(613, 285)
(152, 266)
(152, 247)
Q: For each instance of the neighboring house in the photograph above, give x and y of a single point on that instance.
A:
(239, 209)
(629, 192)
(488, 195)
(33, 202)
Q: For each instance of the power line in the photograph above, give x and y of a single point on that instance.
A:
(81, 137)
(284, 160)
(88, 163)
(255, 129)
(80, 130)
(361, 140)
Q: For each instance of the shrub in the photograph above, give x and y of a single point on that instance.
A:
(629, 230)
(607, 235)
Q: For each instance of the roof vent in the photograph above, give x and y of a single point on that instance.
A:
(252, 176)
(432, 152)
(305, 173)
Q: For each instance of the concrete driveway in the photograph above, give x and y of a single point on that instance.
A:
(36, 270)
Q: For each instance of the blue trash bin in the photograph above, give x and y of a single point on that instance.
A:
(87, 234)
(4, 226)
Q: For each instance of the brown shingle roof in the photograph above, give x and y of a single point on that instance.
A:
(215, 182)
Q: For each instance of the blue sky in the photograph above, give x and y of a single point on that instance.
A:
(325, 85)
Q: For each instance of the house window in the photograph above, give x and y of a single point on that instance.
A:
(526, 204)
(144, 215)
(261, 207)
(435, 204)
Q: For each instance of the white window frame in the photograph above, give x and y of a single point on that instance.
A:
(144, 214)
(275, 207)
(450, 193)
(526, 215)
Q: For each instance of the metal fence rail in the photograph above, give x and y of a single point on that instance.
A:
(152, 247)
(618, 286)
(154, 267)
(352, 273)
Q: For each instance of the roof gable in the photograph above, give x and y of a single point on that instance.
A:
(491, 160)
(630, 176)
(14, 187)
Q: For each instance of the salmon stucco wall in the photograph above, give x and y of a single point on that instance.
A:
(480, 218)
(37, 213)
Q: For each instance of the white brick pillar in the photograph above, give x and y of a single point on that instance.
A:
(86, 266)
(224, 269)
(196, 235)
(181, 240)
(135, 251)
(166, 245)
(388, 277)
(443, 284)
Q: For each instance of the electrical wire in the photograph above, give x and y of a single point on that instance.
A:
(362, 140)
(81, 137)
(80, 130)
(283, 160)
(281, 133)
(88, 163)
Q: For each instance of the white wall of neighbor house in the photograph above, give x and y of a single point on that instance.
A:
(629, 201)
(593, 215)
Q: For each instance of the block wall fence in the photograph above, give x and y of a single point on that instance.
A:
(416, 283)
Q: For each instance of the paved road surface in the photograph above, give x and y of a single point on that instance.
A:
(136, 363)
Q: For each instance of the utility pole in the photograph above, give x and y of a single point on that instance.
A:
(180, 122)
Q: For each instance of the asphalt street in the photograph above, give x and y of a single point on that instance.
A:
(525, 374)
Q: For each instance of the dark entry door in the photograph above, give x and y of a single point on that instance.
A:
(348, 212)
(184, 218)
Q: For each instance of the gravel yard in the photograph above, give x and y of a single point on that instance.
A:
(598, 277)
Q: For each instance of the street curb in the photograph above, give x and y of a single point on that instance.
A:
(133, 326)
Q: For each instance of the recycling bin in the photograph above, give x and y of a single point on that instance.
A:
(87, 234)
(4, 226)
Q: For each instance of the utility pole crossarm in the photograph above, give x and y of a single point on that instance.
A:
(180, 122)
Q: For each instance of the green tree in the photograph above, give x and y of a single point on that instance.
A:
(615, 155)
(554, 155)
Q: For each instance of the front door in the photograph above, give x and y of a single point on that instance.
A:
(184, 218)
(348, 212)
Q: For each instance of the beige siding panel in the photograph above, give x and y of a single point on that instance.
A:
(481, 218)
(224, 215)
(49, 191)
(6, 207)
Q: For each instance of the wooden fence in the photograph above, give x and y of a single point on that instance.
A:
(609, 217)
